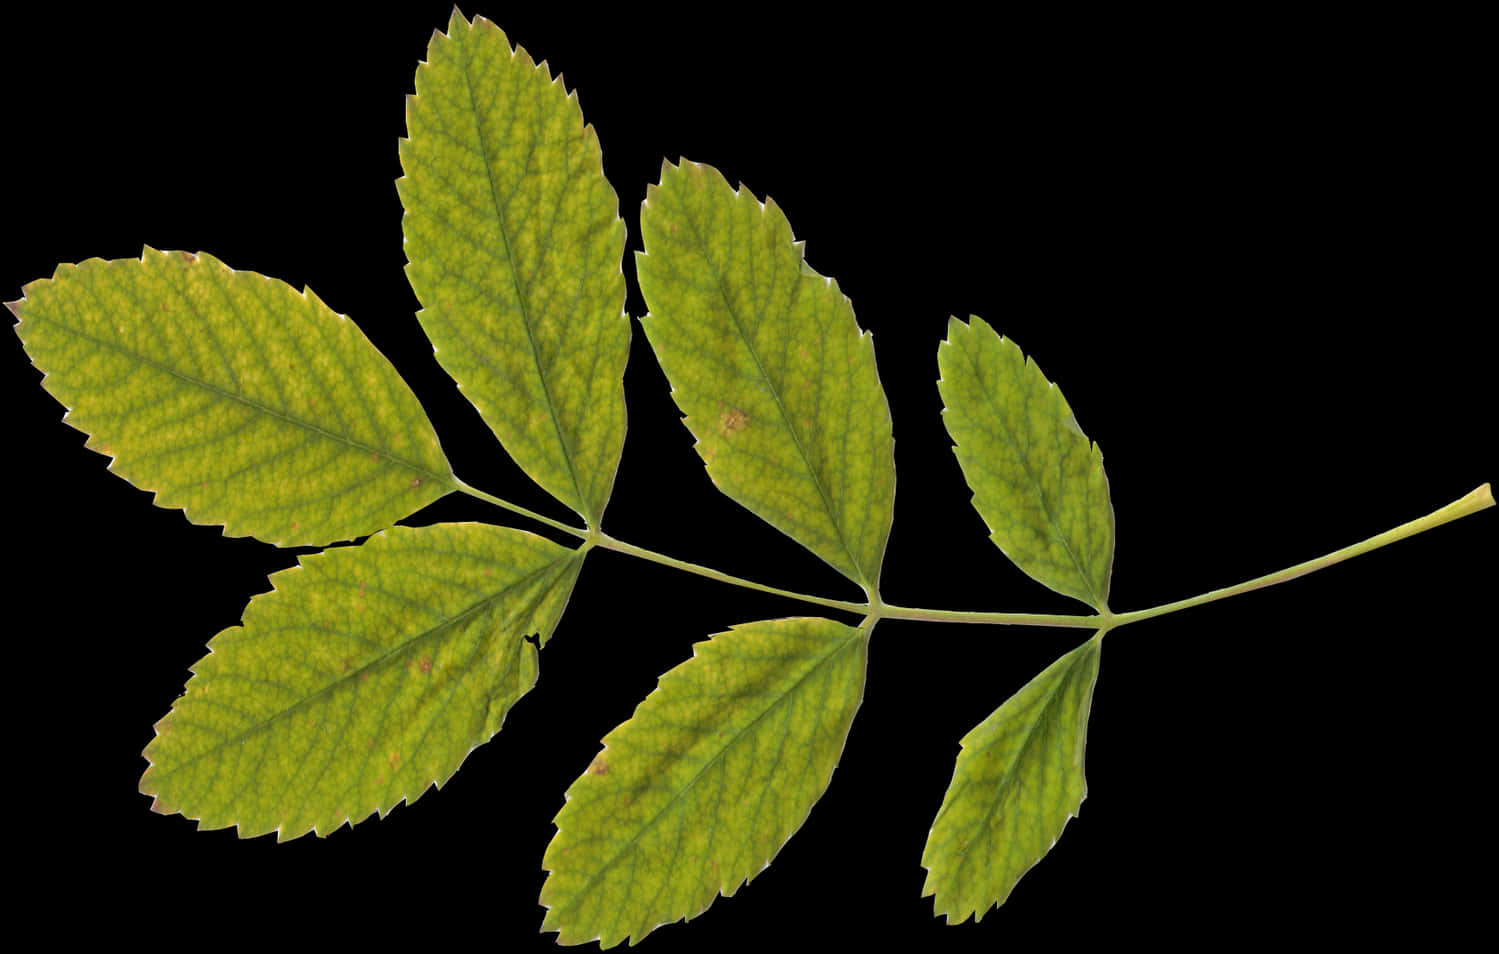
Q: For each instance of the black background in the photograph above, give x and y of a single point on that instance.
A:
(1256, 254)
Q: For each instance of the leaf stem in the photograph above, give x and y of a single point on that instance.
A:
(619, 546)
(884, 611)
(1479, 499)
(521, 511)
(888, 611)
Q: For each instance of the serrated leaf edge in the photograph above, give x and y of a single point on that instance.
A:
(865, 580)
(1096, 641)
(161, 807)
(18, 308)
(1095, 452)
(571, 95)
(862, 632)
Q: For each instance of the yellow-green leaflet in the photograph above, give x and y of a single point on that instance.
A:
(698, 791)
(1017, 781)
(515, 246)
(765, 359)
(232, 396)
(1036, 480)
(367, 674)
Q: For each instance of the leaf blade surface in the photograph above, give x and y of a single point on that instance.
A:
(697, 792)
(1036, 479)
(233, 397)
(767, 363)
(515, 245)
(365, 675)
(1017, 781)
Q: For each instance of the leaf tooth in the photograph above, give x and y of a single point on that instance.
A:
(747, 673)
(445, 593)
(1036, 479)
(746, 342)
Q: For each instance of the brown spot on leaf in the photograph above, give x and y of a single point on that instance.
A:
(416, 481)
(426, 664)
(599, 766)
(731, 420)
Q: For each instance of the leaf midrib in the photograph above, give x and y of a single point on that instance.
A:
(1027, 740)
(375, 663)
(1096, 602)
(586, 510)
(857, 634)
(239, 398)
(775, 393)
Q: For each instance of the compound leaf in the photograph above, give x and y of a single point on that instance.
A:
(765, 359)
(1037, 481)
(1018, 780)
(515, 244)
(367, 674)
(698, 791)
(232, 396)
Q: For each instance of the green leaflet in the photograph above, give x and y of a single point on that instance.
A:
(1036, 480)
(698, 791)
(1017, 781)
(367, 674)
(233, 397)
(515, 247)
(766, 361)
